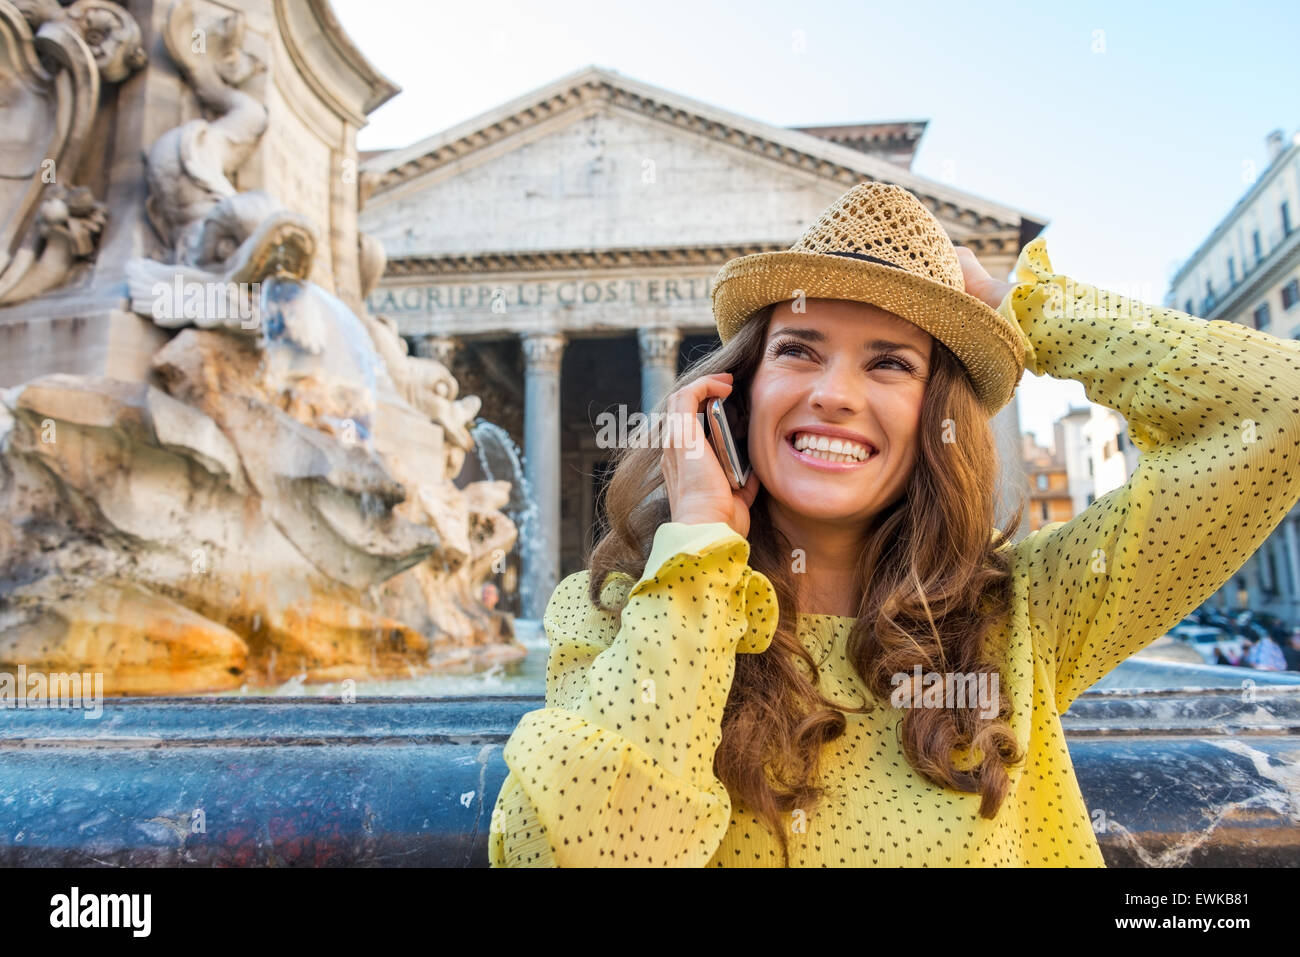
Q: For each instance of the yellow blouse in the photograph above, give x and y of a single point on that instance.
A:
(617, 769)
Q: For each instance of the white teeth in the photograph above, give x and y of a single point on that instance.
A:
(832, 450)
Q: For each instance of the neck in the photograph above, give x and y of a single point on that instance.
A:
(825, 561)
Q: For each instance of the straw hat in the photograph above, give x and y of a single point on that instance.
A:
(880, 245)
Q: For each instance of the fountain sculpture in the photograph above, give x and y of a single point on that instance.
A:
(272, 495)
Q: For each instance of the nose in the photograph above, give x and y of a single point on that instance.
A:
(837, 390)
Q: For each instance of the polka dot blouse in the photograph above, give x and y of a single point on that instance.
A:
(617, 769)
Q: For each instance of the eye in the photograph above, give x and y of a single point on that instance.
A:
(903, 363)
(792, 347)
(787, 347)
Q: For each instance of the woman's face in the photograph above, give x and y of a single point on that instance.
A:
(831, 369)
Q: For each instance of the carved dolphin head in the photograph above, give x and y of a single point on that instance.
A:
(247, 237)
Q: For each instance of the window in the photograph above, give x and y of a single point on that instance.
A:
(1286, 220)
(1232, 271)
(1290, 294)
(1191, 309)
(1261, 316)
(1286, 568)
(1254, 238)
(1042, 482)
(1270, 571)
(1044, 511)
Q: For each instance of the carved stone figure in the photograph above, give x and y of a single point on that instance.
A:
(53, 62)
(277, 501)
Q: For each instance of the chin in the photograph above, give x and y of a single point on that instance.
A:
(826, 509)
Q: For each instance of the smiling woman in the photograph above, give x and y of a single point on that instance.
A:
(837, 371)
(778, 674)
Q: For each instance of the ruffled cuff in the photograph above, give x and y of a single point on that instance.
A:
(1035, 286)
(756, 594)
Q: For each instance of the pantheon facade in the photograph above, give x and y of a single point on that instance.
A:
(558, 252)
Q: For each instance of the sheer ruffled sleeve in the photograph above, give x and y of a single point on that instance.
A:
(617, 769)
(1214, 408)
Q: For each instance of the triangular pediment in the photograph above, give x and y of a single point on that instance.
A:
(596, 161)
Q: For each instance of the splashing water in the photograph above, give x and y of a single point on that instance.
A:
(499, 458)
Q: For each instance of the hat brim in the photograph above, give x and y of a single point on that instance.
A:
(992, 352)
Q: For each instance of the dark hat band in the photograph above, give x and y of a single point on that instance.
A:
(870, 259)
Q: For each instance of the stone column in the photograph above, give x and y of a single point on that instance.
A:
(1289, 537)
(1281, 572)
(659, 347)
(442, 348)
(1253, 573)
(540, 548)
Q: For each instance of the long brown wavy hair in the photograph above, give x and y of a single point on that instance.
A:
(935, 583)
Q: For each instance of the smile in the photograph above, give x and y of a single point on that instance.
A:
(845, 458)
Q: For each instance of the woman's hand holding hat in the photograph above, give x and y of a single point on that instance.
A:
(979, 283)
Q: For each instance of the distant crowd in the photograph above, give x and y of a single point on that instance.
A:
(1243, 638)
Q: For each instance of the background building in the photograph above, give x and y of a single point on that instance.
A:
(558, 254)
(1049, 484)
(1071, 440)
(1091, 455)
(1248, 271)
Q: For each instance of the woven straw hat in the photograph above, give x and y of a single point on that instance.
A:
(880, 245)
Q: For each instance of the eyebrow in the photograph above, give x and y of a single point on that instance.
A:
(816, 335)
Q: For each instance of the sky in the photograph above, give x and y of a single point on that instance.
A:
(1132, 128)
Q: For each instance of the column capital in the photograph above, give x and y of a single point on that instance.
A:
(659, 345)
(543, 350)
(442, 348)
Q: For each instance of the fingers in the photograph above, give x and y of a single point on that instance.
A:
(687, 401)
(691, 396)
(969, 262)
(685, 407)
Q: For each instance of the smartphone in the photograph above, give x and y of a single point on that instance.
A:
(734, 462)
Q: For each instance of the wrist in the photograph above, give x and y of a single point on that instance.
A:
(997, 293)
(699, 518)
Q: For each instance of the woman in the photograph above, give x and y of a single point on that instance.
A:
(844, 662)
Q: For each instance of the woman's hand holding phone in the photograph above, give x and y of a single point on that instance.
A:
(697, 487)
